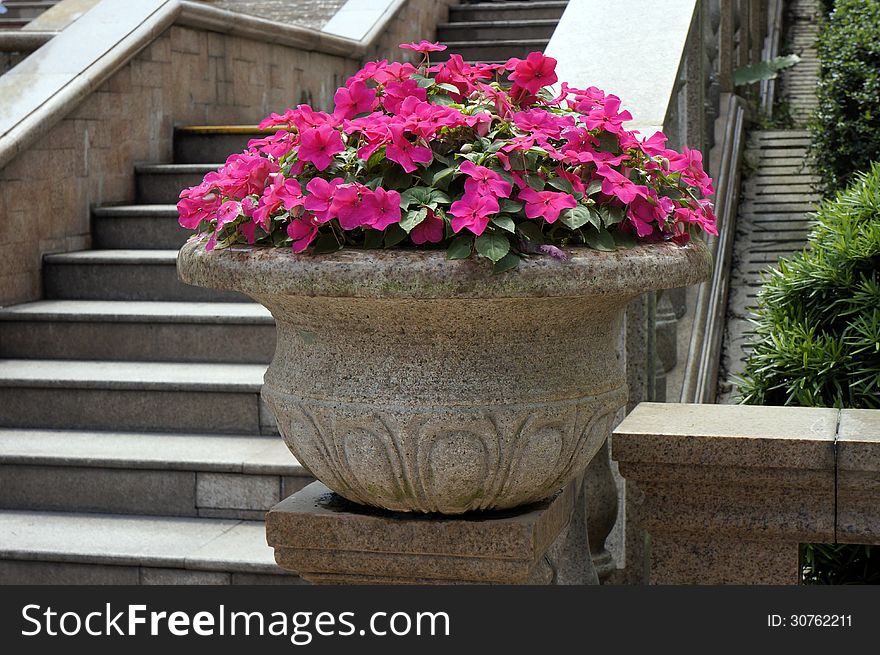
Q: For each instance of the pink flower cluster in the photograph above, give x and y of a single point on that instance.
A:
(488, 147)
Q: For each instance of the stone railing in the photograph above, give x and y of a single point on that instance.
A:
(672, 65)
(728, 492)
(106, 91)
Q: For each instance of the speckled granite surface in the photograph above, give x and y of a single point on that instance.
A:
(309, 13)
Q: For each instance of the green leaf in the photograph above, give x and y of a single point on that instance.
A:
(535, 181)
(561, 184)
(326, 243)
(394, 234)
(594, 187)
(531, 231)
(448, 87)
(460, 248)
(420, 195)
(612, 215)
(412, 218)
(492, 246)
(443, 174)
(441, 99)
(623, 239)
(509, 261)
(422, 81)
(373, 238)
(508, 206)
(601, 240)
(435, 197)
(376, 158)
(504, 222)
(579, 216)
(763, 70)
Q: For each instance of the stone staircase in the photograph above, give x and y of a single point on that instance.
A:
(20, 13)
(777, 197)
(133, 444)
(496, 31)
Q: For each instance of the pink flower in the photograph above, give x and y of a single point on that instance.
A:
(534, 72)
(484, 181)
(197, 204)
(303, 232)
(690, 164)
(423, 46)
(397, 92)
(319, 145)
(281, 192)
(646, 212)
(546, 204)
(405, 153)
(320, 198)
(381, 208)
(347, 205)
(276, 146)
(615, 184)
(606, 117)
(472, 212)
(354, 99)
(430, 230)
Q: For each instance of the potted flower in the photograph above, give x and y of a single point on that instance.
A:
(447, 256)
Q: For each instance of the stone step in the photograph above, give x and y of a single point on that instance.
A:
(216, 476)
(28, 10)
(108, 395)
(490, 11)
(500, 50)
(162, 183)
(751, 207)
(149, 227)
(123, 275)
(138, 331)
(496, 30)
(770, 198)
(780, 134)
(74, 548)
(13, 23)
(206, 144)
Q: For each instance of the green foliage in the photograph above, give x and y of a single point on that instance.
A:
(840, 564)
(763, 70)
(817, 340)
(846, 128)
(818, 316)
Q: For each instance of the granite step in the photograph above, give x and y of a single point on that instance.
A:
(216, 476)
(123, 275)
(162, 183)
(138, 331)
(77, 548)
(133, 396)
(489, 11)
(499, 50)
(206, 144)
(148, 227)
(491, 30)
(28, 10)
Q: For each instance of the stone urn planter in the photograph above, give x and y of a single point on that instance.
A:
(412, 383)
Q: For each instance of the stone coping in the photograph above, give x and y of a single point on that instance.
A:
(428, 274)
(811, 474)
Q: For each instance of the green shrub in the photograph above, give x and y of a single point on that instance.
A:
(846, 128)
(817, 340)
(818, 318)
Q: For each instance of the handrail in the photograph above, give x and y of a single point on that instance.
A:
(702, 363)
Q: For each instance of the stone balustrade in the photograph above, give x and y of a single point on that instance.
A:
(728, 492)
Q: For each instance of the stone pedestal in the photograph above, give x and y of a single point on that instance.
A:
(329, 540)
